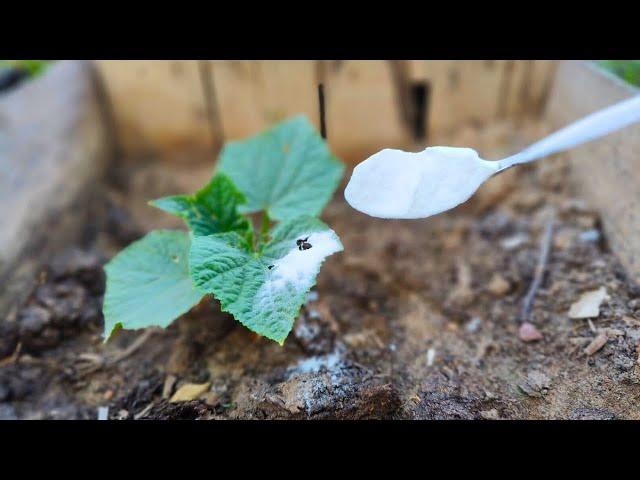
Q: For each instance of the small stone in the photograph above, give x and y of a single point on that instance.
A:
(634, 304)
(563, 238)
(592, 414)
(212, 398)
(528, 201)
(490, 414)
(4, 393)
(431, 356)
(613, 332)
(123, 414)
(588, 305)
(630, 321)
(103, 413)
(189, 391)
(590, 236)
(514, 241)
(529, 333)
(498, 286)
(474, 324)
(573, 205)
(8, 412)
(537, 384)
(34, 319)
(587, 221)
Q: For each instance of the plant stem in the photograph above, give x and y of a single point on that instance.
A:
(264, 229)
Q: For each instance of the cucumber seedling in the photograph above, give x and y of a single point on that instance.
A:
(262, 278)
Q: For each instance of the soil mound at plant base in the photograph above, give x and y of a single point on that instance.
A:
(416, 319)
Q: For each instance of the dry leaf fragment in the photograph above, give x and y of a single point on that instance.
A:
(189, 391)
(588, 305)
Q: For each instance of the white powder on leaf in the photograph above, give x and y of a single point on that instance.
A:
(299, 268)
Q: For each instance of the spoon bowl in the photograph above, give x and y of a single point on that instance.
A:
(397, 184)
(405, 185)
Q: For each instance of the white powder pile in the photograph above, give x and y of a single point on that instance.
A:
(299, 268)
(397, 184)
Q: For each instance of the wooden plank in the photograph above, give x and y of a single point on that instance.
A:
(542, 76)
(516, 77)
(363, 109)
(605, 171)
(53, 151)
(479, 91)
(480, 83)
(165, 106)
(250, 95)
(443, 79)
(158, 105)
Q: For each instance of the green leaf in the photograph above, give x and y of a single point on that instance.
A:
(629, 70)
(148, 282)
(287, 170)
(212, 209)
(265, 300)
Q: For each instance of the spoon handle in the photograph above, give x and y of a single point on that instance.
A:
(588, 128)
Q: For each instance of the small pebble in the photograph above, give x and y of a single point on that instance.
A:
(590, 236)
(103, 413)
(529, 333)
(490, 414)
(634, 304)
(498, 286)
(474, 324)
(514, 241)
(431, 355)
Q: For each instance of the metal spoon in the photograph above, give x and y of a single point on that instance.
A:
(398, 184)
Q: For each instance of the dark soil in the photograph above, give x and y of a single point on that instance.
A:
(415, 319)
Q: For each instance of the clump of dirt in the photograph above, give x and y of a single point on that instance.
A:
(415, 319)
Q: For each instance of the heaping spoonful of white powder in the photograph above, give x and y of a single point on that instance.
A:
(397, 184)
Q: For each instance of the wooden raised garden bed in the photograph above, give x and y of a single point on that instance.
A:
(415, 319)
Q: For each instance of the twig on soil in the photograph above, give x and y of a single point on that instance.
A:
(135, 345)
(543, 258)
(144, 412)
(13, 357)
(91, 362)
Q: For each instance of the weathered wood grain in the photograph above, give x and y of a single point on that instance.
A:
(159, 106)
(162, 107)
(606, 171)
(480, 91)
(250, 95)
(53, 150)
(363, 108)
